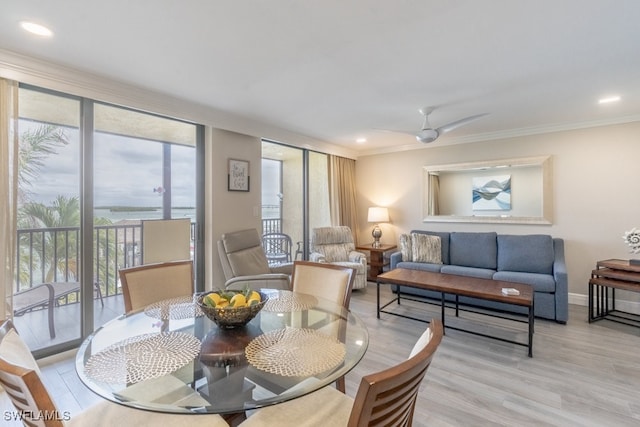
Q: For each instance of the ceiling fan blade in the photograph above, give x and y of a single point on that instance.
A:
(453, 125)
(406, 132)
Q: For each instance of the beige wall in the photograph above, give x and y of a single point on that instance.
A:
(225, 210)
(596, 188)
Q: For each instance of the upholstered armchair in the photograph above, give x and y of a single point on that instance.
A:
(245, 263)
(335, 245)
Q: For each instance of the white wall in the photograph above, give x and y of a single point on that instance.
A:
(596, 191)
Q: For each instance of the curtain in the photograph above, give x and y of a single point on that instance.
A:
(8, 190)
(342, 192)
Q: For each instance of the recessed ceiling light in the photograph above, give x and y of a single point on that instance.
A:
(361, 140)
(37, 29)
(609, 99)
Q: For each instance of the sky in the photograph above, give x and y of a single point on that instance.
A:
(126, 171)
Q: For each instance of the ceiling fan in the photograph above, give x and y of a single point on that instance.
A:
(428, 134)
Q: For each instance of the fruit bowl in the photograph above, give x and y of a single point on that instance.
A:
(228, 316)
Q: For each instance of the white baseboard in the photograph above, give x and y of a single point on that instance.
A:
(623, 305)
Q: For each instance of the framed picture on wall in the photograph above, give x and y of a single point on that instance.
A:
(238, 175)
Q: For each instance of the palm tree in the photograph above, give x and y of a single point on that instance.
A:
(53, 253)
(34, 147)
(56, 251)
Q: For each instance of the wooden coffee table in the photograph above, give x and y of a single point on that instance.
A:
(486, 289)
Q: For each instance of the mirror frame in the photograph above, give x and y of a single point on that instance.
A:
(544, 162)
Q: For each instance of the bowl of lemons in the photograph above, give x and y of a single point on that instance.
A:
(230, 309)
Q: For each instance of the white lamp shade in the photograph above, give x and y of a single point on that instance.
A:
(377, 215)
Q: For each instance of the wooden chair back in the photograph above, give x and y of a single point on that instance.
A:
(329, 281)
(26, 390)
(388, 397)
(149, 283)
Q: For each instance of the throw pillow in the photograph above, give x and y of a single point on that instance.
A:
(426, 248)
(405, 247)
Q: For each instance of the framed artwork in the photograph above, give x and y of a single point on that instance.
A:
(492, 193)
(238, 175)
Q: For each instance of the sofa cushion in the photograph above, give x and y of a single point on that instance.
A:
(482, 273)
(528, 253)
(406, 248)
(444, 242)
(426, 248)
(478, 250)
(424, 266)
(539, 282)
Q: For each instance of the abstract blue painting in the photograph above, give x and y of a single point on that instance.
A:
(492, 193)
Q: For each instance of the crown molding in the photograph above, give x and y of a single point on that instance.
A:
(37, 72)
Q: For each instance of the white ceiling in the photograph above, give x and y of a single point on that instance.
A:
(337, 70)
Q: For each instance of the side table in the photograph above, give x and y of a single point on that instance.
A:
(377, 261)
(608, 276)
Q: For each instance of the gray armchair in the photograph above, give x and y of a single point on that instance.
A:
(245, 263)
(335, 245)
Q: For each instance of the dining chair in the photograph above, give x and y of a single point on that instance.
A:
(145, 284)
(20, 378)
(328, 281)
(385, 398)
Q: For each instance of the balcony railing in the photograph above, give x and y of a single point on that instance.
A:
(53, 254)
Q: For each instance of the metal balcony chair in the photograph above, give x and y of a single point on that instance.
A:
(277, 248)
(46, 296)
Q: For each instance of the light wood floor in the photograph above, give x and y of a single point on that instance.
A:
(581, 374)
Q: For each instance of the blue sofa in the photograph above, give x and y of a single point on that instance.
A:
(537, 260)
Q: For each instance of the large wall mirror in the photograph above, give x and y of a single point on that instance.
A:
(509, 191)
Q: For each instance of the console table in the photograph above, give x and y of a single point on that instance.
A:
(608, 276)
(377, 262)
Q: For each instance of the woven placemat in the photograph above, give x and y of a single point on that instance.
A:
(174, 309)
(287, 301)
(143, 357)
(293, 352)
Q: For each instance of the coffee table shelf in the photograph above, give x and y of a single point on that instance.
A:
(486, 289)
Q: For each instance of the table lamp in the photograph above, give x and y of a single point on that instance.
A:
(377, 215)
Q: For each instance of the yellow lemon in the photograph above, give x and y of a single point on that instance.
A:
(212, 300)
(238, 300)
(254, 295)
(214, 297)
(253, 301)
(223, 303)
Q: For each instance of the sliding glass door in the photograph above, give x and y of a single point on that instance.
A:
(90, 173)
(143, 169)
(295, 194)
(49, 235)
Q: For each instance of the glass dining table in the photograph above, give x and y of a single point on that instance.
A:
(170, 357)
